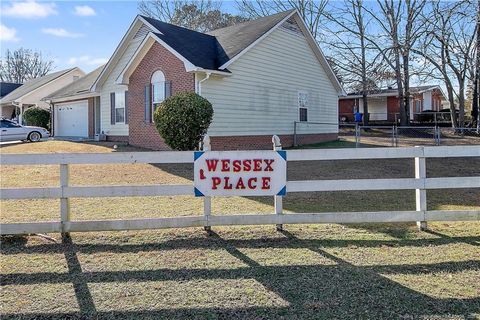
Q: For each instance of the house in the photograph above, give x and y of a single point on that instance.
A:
(30, 94)
(383, 105)
(75, 110)
(260, 77)
(7, 87)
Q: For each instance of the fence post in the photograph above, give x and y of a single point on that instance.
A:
(357, 135)
(207, 201)
(294, 133)
(64, 202)
(278, 200)
(421, 194)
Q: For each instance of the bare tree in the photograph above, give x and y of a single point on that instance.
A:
(351, 52)
(202, 16)
(449, 47)
(311, 11)
(401, 27)
(476, 80)
(23, 64)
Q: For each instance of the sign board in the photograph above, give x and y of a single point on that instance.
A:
(240, 173)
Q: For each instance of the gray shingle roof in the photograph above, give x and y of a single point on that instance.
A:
(77, 87)
(33, 84)
(393, 91)
(211, 50)
(236, 38)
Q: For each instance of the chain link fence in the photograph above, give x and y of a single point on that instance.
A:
(357, 135)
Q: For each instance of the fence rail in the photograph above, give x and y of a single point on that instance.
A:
(64, 192)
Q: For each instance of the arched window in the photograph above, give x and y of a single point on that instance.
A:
(158, 88)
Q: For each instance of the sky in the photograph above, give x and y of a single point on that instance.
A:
(72, 33)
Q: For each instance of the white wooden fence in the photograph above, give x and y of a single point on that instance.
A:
(420, 183)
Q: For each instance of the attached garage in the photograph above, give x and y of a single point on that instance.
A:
(71, 119)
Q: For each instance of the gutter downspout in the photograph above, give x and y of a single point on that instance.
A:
(200, 83)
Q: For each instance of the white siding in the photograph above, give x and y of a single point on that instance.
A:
(427, 100)
(109, 86)
(377, 108)
(261, 96)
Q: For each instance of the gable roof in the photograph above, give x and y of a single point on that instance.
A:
(213, 51)
(236, 38)
(198, 48)
(78, 87)
(7, 87)
(33, 84)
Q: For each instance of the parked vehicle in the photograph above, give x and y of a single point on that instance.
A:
(12, 131)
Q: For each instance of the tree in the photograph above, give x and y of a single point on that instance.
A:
(449, 47)
(183, 119)
(476, 80)
(350, 49)
(401, 28)
(202, 16)
(23, 64)
(311, 11)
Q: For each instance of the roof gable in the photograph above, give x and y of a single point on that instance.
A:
(34, 84)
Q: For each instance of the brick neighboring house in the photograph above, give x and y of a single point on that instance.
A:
(383, 104)
(260, 76)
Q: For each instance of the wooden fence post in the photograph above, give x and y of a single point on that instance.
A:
(421, 194)
(278, 199)
(207, 201)
(64, 202)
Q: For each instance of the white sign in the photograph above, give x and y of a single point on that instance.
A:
(240, 173)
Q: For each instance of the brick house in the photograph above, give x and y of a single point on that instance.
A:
(383, 105)
(260, 77)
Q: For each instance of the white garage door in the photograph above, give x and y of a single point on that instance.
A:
(71, 119)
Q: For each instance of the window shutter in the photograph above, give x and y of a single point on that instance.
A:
(112, 108)
(126, 107)
(148, 105)
(168, 89)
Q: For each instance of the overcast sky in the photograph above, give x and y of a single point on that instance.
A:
(73, 33)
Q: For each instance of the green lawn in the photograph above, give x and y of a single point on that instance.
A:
(309, 271)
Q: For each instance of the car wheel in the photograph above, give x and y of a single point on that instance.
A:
(34, 136)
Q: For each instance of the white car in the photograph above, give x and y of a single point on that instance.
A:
(12, 131)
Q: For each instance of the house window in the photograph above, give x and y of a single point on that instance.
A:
(158, 89)
(418, 106)
(303, 105)
(120, 107)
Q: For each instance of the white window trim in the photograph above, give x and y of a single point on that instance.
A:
(120, 93)
(302, 107)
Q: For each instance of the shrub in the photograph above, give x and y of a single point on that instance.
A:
(183, 119)
(37, 117)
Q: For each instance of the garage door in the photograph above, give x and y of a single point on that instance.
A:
(71, 119)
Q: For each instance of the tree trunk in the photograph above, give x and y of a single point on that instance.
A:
(406, 81)
(461, 104)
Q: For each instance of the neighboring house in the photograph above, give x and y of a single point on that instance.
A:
(30, 94)
(76, 109)
(7, 87)
(260, 77)
(383, 105)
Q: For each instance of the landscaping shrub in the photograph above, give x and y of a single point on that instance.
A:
(37, 117)
(183, 119)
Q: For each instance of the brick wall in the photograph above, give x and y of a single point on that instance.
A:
(393, 107)
(346, 108)
(144, 134)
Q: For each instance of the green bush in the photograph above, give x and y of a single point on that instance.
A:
(183, 119)
(37, 117)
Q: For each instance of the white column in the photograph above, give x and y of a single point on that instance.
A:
(278, 199)
(207, 201)
(421, 194)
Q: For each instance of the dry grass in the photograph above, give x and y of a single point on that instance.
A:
(309, 271)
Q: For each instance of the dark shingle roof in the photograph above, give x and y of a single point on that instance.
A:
(7, 87)
(77, 87)
(198, 48)
(33, 84)
(211, 50)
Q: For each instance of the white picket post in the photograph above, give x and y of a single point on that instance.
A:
(207, 201)
(278, 199)
(64, 201)
(421, 194)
